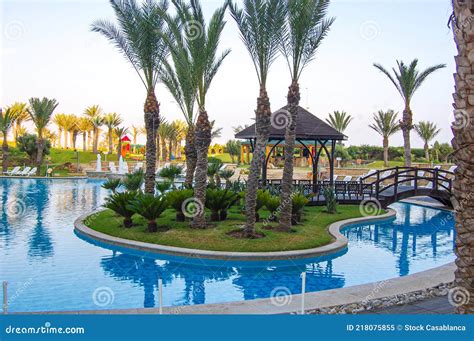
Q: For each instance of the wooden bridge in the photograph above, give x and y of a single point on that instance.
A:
(387, 186)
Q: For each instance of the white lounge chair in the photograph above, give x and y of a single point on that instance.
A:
(112, 168)
(452, 168)
(370, 172)
(14, 171)
(437, 167)
(138, 166)
(347, 178)
(32, 172)
(385, 174)
(25, 171)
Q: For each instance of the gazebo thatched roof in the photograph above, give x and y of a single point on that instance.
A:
(308, 127)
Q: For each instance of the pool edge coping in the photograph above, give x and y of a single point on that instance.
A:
(339, 242)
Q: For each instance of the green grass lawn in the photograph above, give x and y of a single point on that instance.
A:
(61, 156)
(312, 232)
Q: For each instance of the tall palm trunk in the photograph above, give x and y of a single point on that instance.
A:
(385, 151)
(203, 140)
(152, 123)
(263, 116)
(158, 148)
(407, 125)
(60, 133)
(119, 148)
(427, 151)
(39, 155)
(191, 156)
(164, 154)
(5, 152)
(95, 143)
(111, 143)
(464, 155)
(290, 137)
(66, 136)
(84, 141)
(170, 147)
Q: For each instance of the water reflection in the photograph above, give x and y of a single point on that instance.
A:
(40, 242)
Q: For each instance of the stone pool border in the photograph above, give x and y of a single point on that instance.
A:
(340, 242)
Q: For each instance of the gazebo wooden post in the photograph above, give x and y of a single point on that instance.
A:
(331, 162)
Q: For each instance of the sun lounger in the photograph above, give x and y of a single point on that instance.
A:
(25, 171)
(14, 171)
(32, 172)
(385, 174)
(452, 168)
(370, 172)
(138, 166)
(347, 178)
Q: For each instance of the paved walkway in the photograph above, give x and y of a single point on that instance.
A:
(437, 306)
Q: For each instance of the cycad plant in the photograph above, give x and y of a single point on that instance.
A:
(218, 202)
(112, 184)
(149, 207)
(385, 124)
(134, 182)
(331, 200)
(41, 113)
(95, 115)
(306, 26)
(171, 173)
(120, 204)
(176, 200)
(260, 26)
(214, 165)
(138, 37)
(227, 174)
(273, 204)
(199, 41)
(6, 122)
(407, 79)
(112, 121)
(261, 200)
(427, 131)
(298, 202)
(339, 120)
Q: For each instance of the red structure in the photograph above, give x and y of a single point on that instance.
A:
(125, 145)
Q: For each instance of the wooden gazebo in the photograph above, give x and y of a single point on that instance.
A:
(313, 134)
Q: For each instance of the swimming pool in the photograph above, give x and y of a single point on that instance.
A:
(49, 267)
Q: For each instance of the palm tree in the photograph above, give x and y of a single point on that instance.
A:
(84, 125)
(385, 124)
(138, 37)
(427, 131)
(120, 132)
(72, 129)
(260, 26)
(59, 120)
(306, 26)
(41, 111)
(136, 131)
(181, 131)
(463, 188)
(112, 121)
(177, 75)
(407, 80)
(7, 119)
(339, 120)
(19, 112)
(94, 113)
(201, 48)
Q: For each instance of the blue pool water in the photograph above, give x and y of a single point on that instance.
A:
(49, 267)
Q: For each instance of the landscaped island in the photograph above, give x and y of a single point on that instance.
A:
(310, 233)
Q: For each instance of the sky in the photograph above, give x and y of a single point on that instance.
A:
(48, 49)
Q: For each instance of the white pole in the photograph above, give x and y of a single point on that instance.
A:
(5, 297)
(160, 295)
(303, 290)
